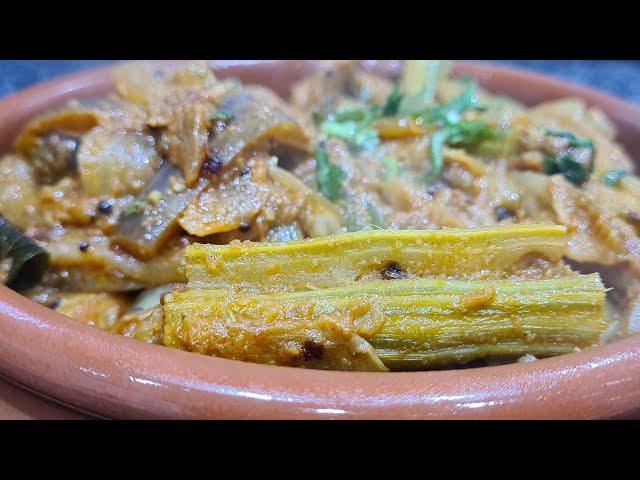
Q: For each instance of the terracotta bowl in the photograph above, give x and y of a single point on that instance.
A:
(111, 376)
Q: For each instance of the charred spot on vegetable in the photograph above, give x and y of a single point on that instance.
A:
(435, 188)
(244, 226)
(84, 246)
(55, 304)
(613, 177)
(311, 350)
(633, 218)
(106, 208)
(393, 271)
(212, 165)
(503, 213)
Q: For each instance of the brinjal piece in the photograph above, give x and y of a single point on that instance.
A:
(147, 225)
(257, 123)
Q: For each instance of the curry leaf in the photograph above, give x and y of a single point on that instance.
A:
(28, 260)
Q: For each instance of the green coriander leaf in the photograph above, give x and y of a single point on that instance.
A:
(392, 104)
(470, 132)
(460, 133)
(392, 167)
(222, 115)
(573, 140)
(451, 112)
(377, 217)
(364, 95)
(436, 160)
(574, 171)
(348, 114)
(352, 132)
(550, 166)
(613, 177)
(329, 177)
(134, 208)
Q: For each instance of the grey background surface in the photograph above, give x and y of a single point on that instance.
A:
(619, 77)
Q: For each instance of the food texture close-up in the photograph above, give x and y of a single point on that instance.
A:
(355, 216)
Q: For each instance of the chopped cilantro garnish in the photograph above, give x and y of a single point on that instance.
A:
(392, 104)
(391, 166)
(460, 133)
(222, 115)
(452, 111)
(353, 124)
(352, 132)
(574, 171)
(613, 177)
(455, 130)
(329, 177)
(470, 132)
(573, 140)
(436, 160)
(134, 208)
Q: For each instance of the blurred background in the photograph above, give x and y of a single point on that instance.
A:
(619, 77)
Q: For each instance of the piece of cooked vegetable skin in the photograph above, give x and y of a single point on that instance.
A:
(338, 260)
(399, 325)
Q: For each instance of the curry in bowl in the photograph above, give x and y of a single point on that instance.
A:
(368, 223)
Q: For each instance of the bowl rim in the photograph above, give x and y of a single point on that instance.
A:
(113, 376)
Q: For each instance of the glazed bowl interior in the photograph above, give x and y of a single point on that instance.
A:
(112, 376)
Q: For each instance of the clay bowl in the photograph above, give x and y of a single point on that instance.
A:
(111, 376)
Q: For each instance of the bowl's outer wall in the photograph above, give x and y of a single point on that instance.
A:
(112, 376)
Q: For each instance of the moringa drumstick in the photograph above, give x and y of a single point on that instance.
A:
(399, 325)
(338, 260)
